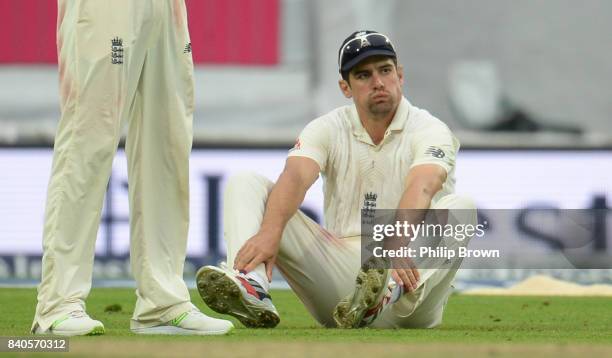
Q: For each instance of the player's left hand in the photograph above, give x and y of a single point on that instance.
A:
(261, 248)
(405, 273)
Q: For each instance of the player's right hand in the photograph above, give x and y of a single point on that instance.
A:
(261, 248)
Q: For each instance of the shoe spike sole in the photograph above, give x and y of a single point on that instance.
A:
(369, 285)
(222, 295)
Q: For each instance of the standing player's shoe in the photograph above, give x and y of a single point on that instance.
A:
(76, 323)
(365, 303)
(229, 292)
(192, 322)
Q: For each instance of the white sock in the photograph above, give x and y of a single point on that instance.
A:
(263, 282)
(396, 293)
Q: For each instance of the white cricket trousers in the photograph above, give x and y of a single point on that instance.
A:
(120, 61)
(321, 268)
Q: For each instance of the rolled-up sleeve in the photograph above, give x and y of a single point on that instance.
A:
(436, 145)
(313, 143)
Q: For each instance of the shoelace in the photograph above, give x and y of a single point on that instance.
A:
(194, 311)
(393, 294)
(73, 314)
(77, 314)
(252, 287)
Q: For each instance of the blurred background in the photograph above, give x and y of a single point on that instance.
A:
(524, 85)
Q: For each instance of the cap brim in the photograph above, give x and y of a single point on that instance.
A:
(347, 66)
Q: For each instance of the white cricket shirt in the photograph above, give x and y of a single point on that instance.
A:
(358, 174)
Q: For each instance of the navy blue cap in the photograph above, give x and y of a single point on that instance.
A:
(361, 45)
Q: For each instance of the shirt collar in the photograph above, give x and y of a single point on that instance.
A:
(397, 123)
(401, 115)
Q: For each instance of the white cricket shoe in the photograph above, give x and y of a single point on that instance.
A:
(371, 296)
(192, 322)
(229, 292)
(76, 323)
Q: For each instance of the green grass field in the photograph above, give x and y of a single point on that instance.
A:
(473, 325)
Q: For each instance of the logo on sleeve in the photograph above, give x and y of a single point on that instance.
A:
(435, 152)
(296, 146)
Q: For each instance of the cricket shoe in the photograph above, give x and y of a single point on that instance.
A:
(190, 323)
(229, 292)
(371, 296)
(75, 323)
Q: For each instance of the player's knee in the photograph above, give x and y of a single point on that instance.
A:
(463, 202)
(247, 181)
(100, 150)
(454, 201)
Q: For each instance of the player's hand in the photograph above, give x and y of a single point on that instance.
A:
(406, 274)
(403, 269)
(261, 248)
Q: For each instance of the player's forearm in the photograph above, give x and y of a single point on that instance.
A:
(417, 196)
(283, 202)
(416, 199)
(422, 183)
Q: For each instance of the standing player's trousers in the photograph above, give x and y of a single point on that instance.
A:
(120, 61)
(322, 268)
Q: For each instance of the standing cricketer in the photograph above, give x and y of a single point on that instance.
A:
(121, 61)
(380, 152)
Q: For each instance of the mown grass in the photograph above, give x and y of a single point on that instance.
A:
(468, 319)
